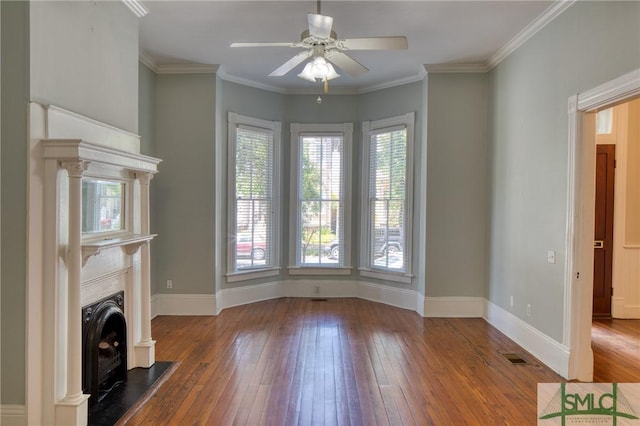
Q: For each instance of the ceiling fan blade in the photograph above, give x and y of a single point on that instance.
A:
(346, 63)
(291, 64)
(265, 44)
(374, 43)
(319, 25)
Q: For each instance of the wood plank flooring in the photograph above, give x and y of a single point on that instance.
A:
(295, 361)
(616, 350)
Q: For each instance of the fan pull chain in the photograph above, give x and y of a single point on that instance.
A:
(319, 7)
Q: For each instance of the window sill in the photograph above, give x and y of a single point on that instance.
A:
(252, 274)
(398, 277)
(318, 270)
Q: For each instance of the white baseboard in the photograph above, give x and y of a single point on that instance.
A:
(206, 304)
(307, 288)
(11, 415)
(549, 351)
(154, 306)
(632, 312)
(393, 296)
(330, 289)
(230, 297)
(183, 304)
(622, 310)
(454, 307)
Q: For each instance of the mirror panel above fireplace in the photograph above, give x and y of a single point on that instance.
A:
(103, 206)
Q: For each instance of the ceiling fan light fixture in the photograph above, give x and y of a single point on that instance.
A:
(332, 73)
(318, 69)
(307, 73)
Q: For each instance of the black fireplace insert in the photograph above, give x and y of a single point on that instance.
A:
(104, 352)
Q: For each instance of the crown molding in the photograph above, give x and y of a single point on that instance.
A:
(136, 7)
(551, 13)
(246, 82)
(318, 90)
(419, 76)
(469, 68)
(176, 68)
(187, 69)
(147, 61)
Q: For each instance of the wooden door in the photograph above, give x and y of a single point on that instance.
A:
(603, 244)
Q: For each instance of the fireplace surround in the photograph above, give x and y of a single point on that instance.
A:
(71, 269)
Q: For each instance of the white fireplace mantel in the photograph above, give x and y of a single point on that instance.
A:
(70, 269)
(130, 243)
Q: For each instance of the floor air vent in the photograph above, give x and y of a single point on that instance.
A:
(515, 359)
(319, 299)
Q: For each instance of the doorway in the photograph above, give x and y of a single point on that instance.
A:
(581, 217)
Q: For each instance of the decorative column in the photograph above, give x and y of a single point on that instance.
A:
(73, 409)
(145, 348)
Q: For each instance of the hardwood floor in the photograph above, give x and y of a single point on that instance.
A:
(616, 350)
(339, 362)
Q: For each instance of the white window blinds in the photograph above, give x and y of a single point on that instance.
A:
(320, 199)
(387, 198)
(253, 195)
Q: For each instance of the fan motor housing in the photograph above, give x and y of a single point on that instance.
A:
(307, 35)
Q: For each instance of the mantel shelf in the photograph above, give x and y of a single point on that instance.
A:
(130, 244)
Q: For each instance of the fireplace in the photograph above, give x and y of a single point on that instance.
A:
(72, 266)
(104, 348)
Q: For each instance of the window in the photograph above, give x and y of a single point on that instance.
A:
(604, 122)
(320, 204)
(387, 198)
(254, 196)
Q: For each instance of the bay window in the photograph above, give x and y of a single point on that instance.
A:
(320, 197)
(253, 213)
(387, 198)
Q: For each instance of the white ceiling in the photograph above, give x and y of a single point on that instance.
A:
(439, 32)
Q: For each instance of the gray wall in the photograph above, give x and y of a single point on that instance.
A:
(15, 97)
(146, 109)
(185, 250)
(589, 44)
(183, 189)
(147, 131)
(456, 185)
(306, 110)
(81, 56)
(251, 102)
(84, 57)
(387, 103)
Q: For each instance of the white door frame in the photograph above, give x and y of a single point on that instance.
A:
(580, 217)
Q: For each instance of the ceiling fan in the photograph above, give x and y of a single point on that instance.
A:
(322, 45)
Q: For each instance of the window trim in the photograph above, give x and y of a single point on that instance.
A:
(234, 121)
(297, 129)
(366, 268)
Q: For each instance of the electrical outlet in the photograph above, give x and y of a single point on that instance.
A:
(316, 290)
(528, 309)
(511, 301)
(551, 256)
(169, 283)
